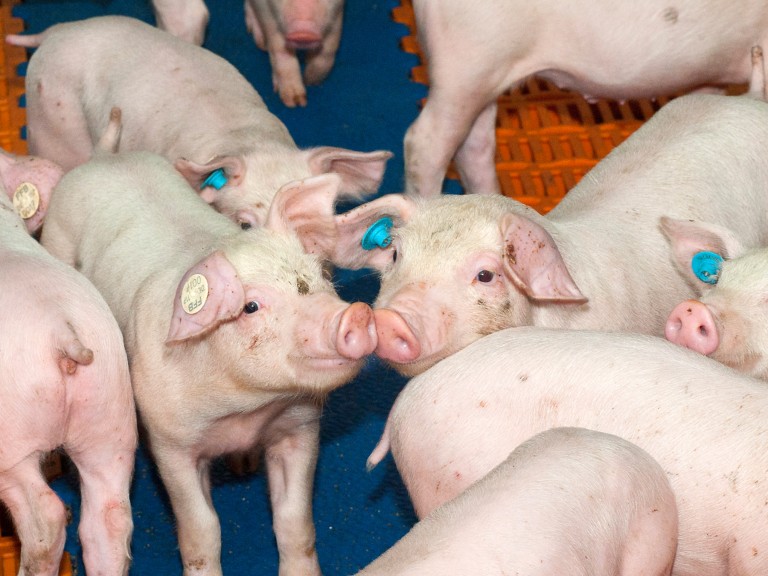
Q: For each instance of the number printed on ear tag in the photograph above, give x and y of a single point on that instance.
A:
(26, 200)
(194, 294)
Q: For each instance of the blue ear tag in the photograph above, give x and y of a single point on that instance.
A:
(377, 234)
(217, 179)
(706, 266)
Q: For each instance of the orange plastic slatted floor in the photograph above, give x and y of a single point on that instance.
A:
(546, 138)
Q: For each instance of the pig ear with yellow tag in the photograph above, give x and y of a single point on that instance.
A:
(28, 181)
(208, 294)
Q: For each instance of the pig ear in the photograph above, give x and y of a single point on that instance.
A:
(352, 226)
(209, 293)
(361, 172)
(233, 168)
(28, 182)
(534, 263)
(306, 208)
(688, 237)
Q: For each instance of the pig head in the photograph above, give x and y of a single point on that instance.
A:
(443, 285)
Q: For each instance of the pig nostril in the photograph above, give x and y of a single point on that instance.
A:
(703, 331)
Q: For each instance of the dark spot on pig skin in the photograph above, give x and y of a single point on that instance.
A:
(198, 564)
(670, 15)
(457, 475)
(523, 377)
(510, 253)
(482, 404)
(302, 286)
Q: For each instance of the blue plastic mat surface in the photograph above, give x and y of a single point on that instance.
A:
(366, 103)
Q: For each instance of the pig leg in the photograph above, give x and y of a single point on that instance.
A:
(435, 136)
(476, 157)
(286, 70)
(104, 458)
(187, 480)
(38, 515)
(185, 19)
(291, 463)
(319, 63)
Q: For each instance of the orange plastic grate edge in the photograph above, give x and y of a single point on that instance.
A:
(12, 116)
(546, 138)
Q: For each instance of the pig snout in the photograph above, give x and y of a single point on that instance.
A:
(303, 35)
(396, 341)
(356, 336)
(692, 325)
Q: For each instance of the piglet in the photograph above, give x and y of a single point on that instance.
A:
(632, 50)
(283, 27)
(455, 268)
(280, 27)
(566, 501)
(64, 383)
(705, 424)
(727, 319)
(234, 337)
(180, 101)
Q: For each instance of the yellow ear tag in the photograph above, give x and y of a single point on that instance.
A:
(26, 200)
(194, 294)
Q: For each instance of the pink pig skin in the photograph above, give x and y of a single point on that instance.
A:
(475, 52)
(559, 494)
(64, 383)
(177, 100)
(705, 424)
(461, 267)
(727, 320)
(271, 340)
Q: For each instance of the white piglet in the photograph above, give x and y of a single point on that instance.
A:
(177, 100)
(477, 51)
(234, 337)
(566, 501)
(455, 268)
(283, 28)
(705, 424)
(64, 383)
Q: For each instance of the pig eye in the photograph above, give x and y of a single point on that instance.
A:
(251, 307)
(394, 255)
(485, 276)
(245, 225)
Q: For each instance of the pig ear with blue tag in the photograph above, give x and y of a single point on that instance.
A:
(366, 233)
(699, 249)
(210, 178)
(706, 266)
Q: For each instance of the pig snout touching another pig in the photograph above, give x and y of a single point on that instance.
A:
(455, 268)
(64, 383)
(705, 424)
(234, 337)
(566, 501)
(727, 321)
(475, 52)
(224, 141)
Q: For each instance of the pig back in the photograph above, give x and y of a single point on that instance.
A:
(125, 218)
(704, 423)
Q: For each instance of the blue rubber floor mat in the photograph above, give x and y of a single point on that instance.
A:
(365, 104)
